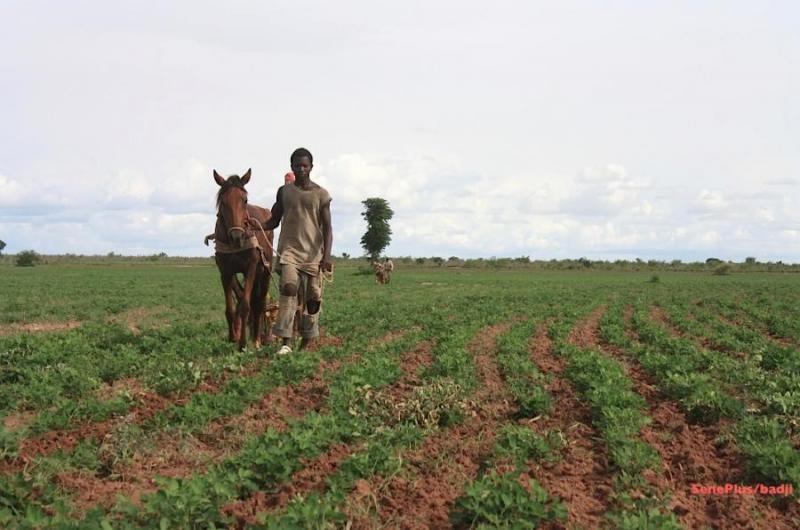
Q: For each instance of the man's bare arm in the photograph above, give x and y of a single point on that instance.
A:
(327, 238)
(277, 213)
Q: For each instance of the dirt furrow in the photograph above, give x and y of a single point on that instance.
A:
(660, 317)
(446, 461)
(696, 455)
(587, 334)
(177, 456)
(583, 477)
(313, 475)
(759, 326)
(741, 322)
(149, 405)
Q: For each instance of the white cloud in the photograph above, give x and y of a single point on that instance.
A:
(11, 192)
(710, 202)
(540, 133)
(607, 191)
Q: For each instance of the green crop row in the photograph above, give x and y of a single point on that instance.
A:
(618, 413)
(763, 441)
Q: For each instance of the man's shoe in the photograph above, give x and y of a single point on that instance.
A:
(285, 350)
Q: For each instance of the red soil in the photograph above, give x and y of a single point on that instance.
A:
(582, 478)
(587, 333)
(191, 455)
(691, 454)
(314, 472)
(37, 327)
(49, 442)
(446, 461)
(19, 420)
(292, 401)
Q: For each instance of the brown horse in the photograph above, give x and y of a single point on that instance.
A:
(243, 247)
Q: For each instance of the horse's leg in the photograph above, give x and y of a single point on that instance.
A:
(257, 308)
(244, 302)
(230, 305)
(237, 287)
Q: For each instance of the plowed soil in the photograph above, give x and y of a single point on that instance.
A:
(694, 454)
(314, 472)
(446, 461)
(582, 478)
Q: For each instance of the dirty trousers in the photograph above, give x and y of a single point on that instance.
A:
(309, 288)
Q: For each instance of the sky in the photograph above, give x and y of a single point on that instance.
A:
(607, 130)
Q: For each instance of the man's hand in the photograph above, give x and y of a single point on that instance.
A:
(326, 266)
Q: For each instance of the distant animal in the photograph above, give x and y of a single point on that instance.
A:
(380, 272)
(241, 246)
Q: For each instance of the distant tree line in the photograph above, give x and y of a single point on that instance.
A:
(712, 265)
(750, 264)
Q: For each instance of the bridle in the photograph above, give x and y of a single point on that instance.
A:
(230, 231)
(237, 229)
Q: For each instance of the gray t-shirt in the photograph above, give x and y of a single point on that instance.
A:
(301, 241)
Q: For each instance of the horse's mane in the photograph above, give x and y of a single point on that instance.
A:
(234, 181)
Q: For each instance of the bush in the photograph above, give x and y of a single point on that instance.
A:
(28, 258)
(654, 278)
(722, 270)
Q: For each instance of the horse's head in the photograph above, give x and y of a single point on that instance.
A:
(232, 206)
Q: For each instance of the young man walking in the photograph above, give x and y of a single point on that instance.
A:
(302, 209)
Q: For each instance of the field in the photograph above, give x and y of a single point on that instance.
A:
(493, 399)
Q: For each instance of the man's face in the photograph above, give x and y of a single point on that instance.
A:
(302, 168)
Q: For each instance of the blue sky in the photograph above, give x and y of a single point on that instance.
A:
(549, 129)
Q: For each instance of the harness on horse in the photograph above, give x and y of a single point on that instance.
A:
(223, 247)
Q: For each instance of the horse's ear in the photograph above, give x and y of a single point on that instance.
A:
(218, 178)
(246, 176)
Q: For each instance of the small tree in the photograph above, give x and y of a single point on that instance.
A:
(2, 246)
(28, 258)
(378, 235)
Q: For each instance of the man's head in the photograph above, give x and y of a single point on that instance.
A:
(302, 162)
(289, 177)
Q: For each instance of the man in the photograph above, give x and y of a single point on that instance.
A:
(388, 266)
(304, 250)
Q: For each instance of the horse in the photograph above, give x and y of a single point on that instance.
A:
(242, 246)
